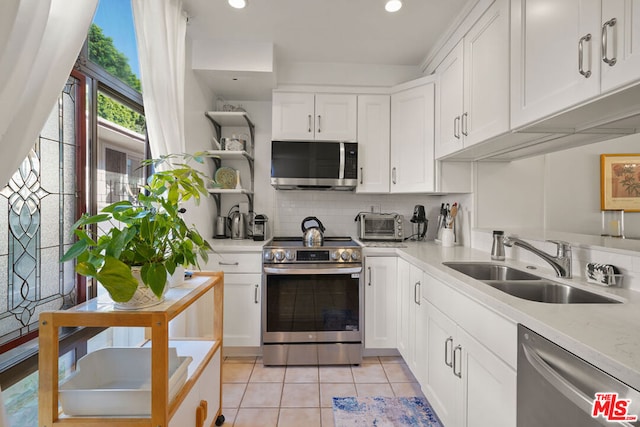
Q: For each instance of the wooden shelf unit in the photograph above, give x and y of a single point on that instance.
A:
(99, 312)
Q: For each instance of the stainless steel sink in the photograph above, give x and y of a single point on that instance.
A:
(490, 271)
(527, 286)
(549, 292)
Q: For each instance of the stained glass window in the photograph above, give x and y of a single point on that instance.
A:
(38, 208)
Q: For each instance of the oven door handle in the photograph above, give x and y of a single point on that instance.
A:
(329, 270)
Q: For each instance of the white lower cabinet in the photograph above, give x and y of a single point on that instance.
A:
(380, 302)
(242, 296)
(465, 382)
(411, 319)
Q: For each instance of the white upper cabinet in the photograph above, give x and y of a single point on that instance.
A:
(486, 76)
(620, 58)
(555, 49)
(308, 116)
(374, 117)
(474, 84)
(451, 105)
(412, 139)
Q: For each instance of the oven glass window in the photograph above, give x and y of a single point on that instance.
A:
(379, 227)
(312, 302)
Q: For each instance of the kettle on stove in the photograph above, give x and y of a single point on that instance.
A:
(313, 235)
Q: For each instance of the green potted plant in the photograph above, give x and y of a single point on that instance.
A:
(148, 235)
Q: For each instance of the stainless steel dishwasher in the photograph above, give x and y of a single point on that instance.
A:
(557, 388)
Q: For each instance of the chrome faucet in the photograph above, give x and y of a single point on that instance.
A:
(561, 263)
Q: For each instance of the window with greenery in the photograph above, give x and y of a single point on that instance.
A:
(46, 195)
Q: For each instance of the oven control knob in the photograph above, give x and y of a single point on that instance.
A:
(345, 256)
(279, 256)
(335, 255)
(355, 256)
(268, 256)
(290, 255)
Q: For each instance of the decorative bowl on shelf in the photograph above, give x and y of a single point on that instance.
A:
(226, 177)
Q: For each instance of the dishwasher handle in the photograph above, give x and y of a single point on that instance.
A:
(560, 383)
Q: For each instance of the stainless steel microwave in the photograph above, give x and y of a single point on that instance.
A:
(380, 226)
(314, 165)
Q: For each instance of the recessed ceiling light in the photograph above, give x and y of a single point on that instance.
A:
(393, 5)
(238, 4)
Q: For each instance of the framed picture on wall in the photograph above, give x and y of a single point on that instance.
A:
(620, 182)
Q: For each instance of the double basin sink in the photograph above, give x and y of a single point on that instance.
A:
(527, 286)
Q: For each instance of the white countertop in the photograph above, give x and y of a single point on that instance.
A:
(606, 335)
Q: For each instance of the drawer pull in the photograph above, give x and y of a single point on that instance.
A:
(255, 294)
(228, 263)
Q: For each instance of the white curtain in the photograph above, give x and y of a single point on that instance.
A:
(39, 43)
(160, 31)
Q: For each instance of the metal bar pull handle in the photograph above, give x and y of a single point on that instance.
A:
(448, 345)
(605, 42)
(459, 373)
(309, 121)
(583, 39)
(416, 293)
(393, 175)
(456, 127)
(319, 124)
(228, 263)
(255, 294)
(369, 275)
(465, 120)
(361, 175)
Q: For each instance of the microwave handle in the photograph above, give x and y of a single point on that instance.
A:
(342, 160)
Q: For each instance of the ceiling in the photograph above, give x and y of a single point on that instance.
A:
(329, 31)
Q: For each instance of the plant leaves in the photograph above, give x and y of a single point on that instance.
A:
(154, 275)
(117, 279)
(75, 250)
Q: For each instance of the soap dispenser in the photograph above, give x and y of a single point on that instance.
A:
(497, 249)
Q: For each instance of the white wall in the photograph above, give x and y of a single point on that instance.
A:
(198, 132)
(558, 191)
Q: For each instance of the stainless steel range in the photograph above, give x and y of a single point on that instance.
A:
(312, 310)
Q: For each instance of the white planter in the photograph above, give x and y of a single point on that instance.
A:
(143, 297)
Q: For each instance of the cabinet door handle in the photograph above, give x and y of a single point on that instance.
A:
(459, 373)
(319, 124)
(465, 120)
(583, 39)
(309, 121)
(361, 175)
(610, 23)
(228, 263)
(416, 293)
(456, 127)
(448, 344)
(255, 294)
(369, 273)
(393, 175)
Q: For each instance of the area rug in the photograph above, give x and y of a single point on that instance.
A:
(383, 412)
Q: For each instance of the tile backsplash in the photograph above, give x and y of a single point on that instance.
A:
(337, 210)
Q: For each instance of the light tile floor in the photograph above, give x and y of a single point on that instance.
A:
(268, 396)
